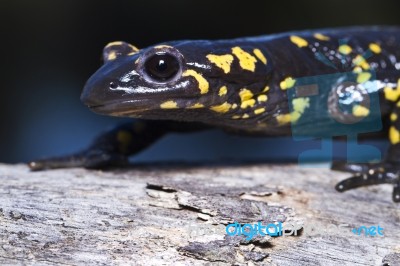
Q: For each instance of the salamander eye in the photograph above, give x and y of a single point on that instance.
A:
(162, 67)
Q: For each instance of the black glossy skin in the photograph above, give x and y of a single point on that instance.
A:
(241, 86)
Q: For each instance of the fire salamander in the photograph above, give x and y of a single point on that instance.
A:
(241, 86)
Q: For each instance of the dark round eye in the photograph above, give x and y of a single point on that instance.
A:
(162, 67)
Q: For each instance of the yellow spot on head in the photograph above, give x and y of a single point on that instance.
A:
(118, 43)
(248, 103)
(259, 111)
(222, 108)
(169, 105)
(236, 117)
(391, 94)
(245, 94)
(360, 111)
(363, 77)
(134, 49)
(112, 55)
(203, 83)
(321, 37)
(222, 61)
(345, 49)
(393, 117)
(394, 135)
(245, 116)
(162, 46)
(260, 55)
(196, 106)
(287, 83)
(375, 48)
(222, 91)
(300, 42)
(246, 60)
(262, 98)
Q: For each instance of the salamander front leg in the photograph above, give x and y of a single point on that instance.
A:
(114, 147)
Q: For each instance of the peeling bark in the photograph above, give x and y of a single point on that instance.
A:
(152, 215)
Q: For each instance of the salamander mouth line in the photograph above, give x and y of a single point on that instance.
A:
(120, 107)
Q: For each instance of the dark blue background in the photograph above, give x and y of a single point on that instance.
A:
(50, 47)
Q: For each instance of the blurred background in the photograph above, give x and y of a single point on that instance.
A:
(49, 48)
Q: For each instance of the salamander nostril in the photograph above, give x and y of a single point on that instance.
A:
(113, 85)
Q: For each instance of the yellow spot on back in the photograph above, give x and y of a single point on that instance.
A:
(259, 111)
(266, 89)
(391, 94)
(287, 83)
(300, 42)
(284, 119)
(357, 69)
(394, 135)
(299, 106)
(360, 111)
(393, 117)
(234, 106)
(375, 48)
(345, 49)
(245, 116)
(262, 98)
(196, 106)
(222, 61)
(260, 55)
(359, 60)
(245, 94)
(169, 105)
(236, 117)
(246, 60)
(363, 77)
(321, 37)
(222, 108)
(222, 91)
(248, 103)
(203, 83)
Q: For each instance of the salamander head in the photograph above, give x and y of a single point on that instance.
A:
(187, 80)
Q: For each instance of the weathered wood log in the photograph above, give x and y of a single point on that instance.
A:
(160, 214)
